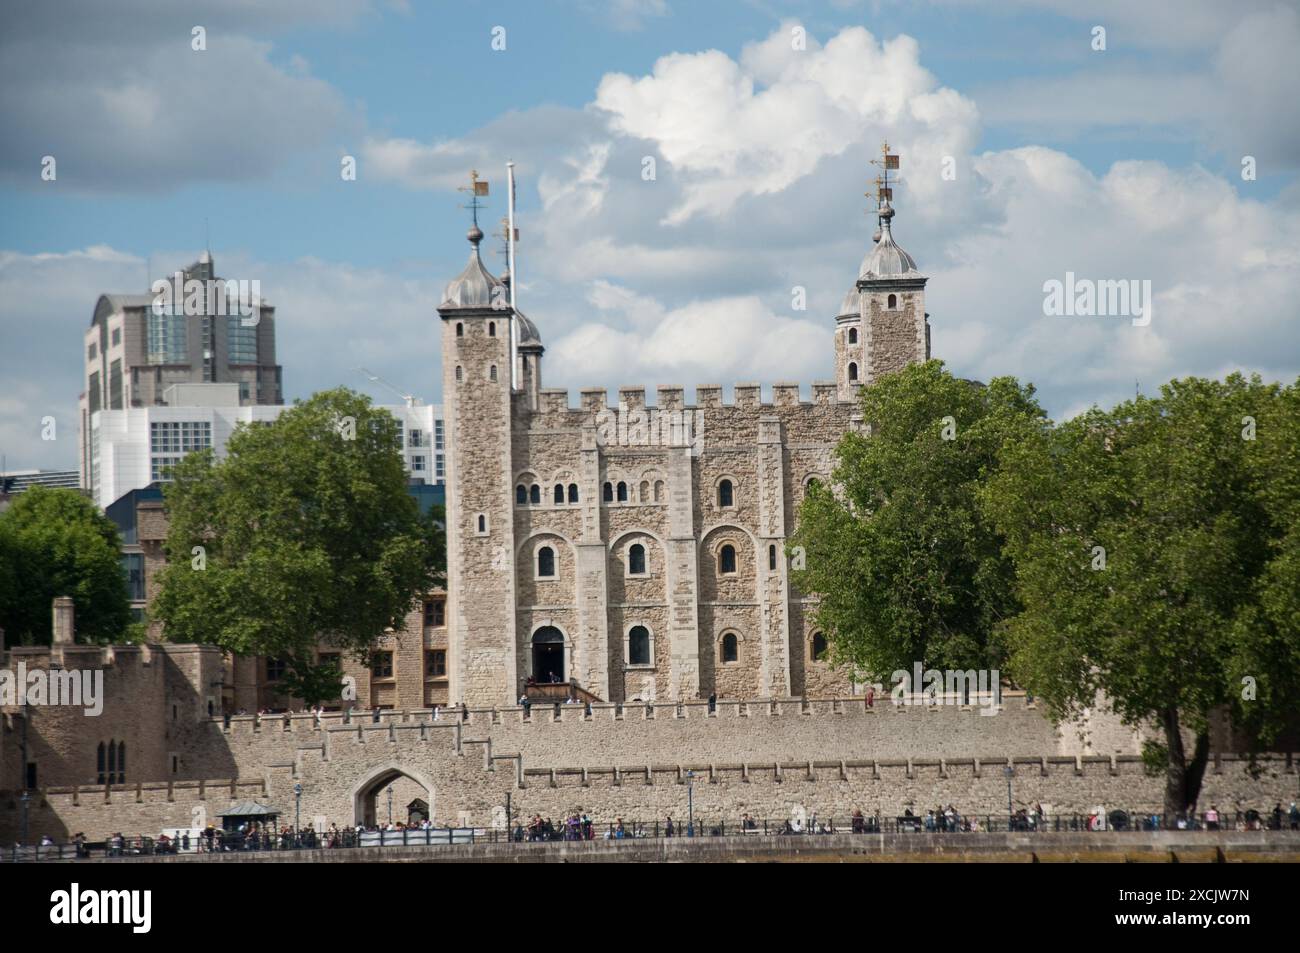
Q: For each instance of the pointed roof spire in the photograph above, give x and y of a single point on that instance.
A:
(475, 287)
(887, 259)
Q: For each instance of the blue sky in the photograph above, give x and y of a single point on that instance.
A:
(1122, 163)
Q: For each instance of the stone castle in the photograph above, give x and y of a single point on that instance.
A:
(634, 552)
(639, 551)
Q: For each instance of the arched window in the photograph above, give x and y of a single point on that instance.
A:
(492, 329)
(730, 648)
(121, 762)
(546, 562)
(645, 491)
(659, 491)
(492, 373)
(460, 375)
(853, 371)
(521, 494)
(607, 494)
(727, 559)
(818, 647)
(638, 646)
(893, 302)
(482, 523)
(112, 762)
(853, 335)
(559, 494)
(622, 492)
(636, 560)
(725, 495)
(100, 764)
(771, 557)
(460, 330)
(535, 494)
(573, 493)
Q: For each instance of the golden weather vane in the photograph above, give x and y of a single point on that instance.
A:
(887, 161)
(477, 187)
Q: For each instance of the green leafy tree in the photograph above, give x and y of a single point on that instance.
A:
(1264, 671)
(905, 566)
(303, 533)
(1140, 536)
(54, 542)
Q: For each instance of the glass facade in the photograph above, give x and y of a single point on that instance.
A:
(115, 385)
(241, 341)
(168, 340)
(170, 440)
(133, 569)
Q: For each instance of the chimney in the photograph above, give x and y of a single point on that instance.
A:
(64, 628)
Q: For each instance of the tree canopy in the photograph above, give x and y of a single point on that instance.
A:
(303, 533)
(1154, 547)
(54, 542)
(905, 565)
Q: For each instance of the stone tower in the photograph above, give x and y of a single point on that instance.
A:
(882, 325)
(476, 391)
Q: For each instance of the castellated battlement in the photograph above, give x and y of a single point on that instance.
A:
(672, 397)
(121, 659)
(769, 730)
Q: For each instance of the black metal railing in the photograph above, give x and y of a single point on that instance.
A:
(571, 830)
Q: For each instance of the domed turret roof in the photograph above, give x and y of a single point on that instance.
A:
(528, 336)
(475, 287)
(852, 303)
(887, 259)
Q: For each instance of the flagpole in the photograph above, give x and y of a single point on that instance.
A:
(514, 274)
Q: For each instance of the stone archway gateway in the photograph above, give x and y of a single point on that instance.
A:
(548, 654)
(391, 784)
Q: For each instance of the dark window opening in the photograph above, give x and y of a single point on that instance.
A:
(546, 562)
(638, 646)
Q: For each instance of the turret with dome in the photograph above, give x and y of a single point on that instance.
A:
(882, 325)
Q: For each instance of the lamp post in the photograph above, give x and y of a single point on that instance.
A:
(390, 805)
(690, 803)
(297, 810)
(1009, 772)
(26, 796)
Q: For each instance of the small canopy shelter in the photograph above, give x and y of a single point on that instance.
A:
(246, 812)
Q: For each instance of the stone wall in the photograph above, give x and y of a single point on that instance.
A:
(778, 765)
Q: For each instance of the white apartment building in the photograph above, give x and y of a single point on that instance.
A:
(136, 446)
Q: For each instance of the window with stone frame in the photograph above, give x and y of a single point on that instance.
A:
(727, 560)
(435, 663)
(638, 645)
(726, 494)
(276, 669)
(382, 665)
(546, 563)
(636, 565)
(817, 647)
(435, 613)
(730, 649)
